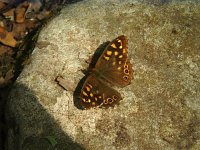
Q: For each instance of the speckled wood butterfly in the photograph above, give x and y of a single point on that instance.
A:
(112, 68)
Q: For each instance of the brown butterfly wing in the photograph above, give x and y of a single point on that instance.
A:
(113, 65)
(95, 93)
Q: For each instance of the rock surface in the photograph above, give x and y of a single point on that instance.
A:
(159, 110)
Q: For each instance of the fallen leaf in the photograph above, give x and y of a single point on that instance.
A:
(9, 14)
(1, 5)
(20, 12)
(19, 30)
(64, 83)
(5, 49)
(44, 14)
(7, 38)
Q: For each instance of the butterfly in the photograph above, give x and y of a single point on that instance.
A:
(112, 68)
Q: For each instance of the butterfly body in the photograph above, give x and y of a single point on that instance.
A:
(111, 69)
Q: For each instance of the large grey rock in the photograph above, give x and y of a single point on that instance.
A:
(159, 110)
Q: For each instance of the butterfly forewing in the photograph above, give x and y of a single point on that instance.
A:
(113, 65)
(96, 93)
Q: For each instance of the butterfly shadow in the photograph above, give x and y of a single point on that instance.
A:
(97, 54)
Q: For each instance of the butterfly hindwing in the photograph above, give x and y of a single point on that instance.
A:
(113, 64)
(95, 93)
(112, 68)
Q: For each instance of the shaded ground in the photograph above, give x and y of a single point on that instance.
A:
(20, 23)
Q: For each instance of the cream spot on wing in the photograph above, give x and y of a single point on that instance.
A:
(124, 51)
(89, 85)
(109, 53)
(120, 56)
(87, 88)
(106, 57)
(113, 45)
(116, 53)
(84, 93)
(119, 68)
(119, 41)
(88, 100)
(91, 95)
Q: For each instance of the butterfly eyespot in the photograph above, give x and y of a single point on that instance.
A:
(105, 101)
(110, 100)
(125, 78)
(114, 97)
(126, 66)
(126, 71)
